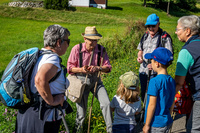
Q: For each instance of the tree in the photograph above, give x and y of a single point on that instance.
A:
(144, 4)
(184, 4)
(168, 7)
(56, 4)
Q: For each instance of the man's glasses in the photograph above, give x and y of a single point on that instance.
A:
(67, 40)
(149, 26)
(91, 40)
(177, 29)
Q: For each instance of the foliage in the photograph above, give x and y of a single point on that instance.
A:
(183, 4)
(186, 4)
(56, 4)
(118, 47)
(7, 119)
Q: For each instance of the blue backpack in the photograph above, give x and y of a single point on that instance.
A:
(14, 85)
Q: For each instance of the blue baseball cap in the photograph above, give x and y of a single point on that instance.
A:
(161, 55)
(152, 19)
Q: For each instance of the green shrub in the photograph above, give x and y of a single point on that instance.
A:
(118, 47)
(56, 4)
(187, 4)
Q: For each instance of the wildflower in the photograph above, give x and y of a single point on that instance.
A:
(94, 117)
(6, 110)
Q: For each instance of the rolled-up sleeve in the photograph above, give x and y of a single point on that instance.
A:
(73, 58)
(106, 62)
(139, 46)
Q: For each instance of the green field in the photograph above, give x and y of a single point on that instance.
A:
(22, 28)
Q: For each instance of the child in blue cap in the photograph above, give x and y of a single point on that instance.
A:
(160, 94)
(126, 104)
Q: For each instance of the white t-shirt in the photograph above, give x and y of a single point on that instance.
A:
(58, 85)
(124, 113)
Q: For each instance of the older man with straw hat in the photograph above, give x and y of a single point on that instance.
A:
(80, 65)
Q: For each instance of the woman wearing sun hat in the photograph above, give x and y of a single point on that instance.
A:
(80, 67)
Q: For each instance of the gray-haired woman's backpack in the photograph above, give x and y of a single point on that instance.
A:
(14, 85)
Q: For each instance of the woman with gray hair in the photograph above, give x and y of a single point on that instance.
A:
(48, 84)
(188, 65)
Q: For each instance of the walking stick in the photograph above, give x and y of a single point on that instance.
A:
(145, 97)
(95, 87)
(63, 118)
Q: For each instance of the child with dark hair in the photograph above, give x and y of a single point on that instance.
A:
(160, 94)
(126, 104)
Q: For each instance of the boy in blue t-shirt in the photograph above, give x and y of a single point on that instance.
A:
(160, 94)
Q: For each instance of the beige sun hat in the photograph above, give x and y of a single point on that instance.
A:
(91, 33)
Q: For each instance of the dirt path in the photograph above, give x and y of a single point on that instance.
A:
(178, 125)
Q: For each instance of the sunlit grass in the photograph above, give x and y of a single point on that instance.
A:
(22, 28)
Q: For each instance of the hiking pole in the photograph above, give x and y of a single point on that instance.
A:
(95, 87)
(145, 97)
(63, 118)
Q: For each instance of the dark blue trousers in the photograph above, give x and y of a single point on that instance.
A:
(143, 82)
(123, 128)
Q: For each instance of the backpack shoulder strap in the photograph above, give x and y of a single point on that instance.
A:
(80, 56)
(99, 55)
(163, 38)
(43, 52)
(61, 66)
(144, 37)
(159, 40)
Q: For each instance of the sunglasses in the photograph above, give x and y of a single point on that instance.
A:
(153, 26)
(67, 40)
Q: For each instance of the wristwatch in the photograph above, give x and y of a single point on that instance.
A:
(100, 68)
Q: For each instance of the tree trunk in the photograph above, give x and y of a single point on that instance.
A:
(168, 7)
(144, 4)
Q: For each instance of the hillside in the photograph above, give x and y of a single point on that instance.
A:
(18, 25)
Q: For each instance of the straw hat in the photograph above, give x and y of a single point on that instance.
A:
(91, 33)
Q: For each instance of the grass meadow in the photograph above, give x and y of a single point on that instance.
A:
(121, 26)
